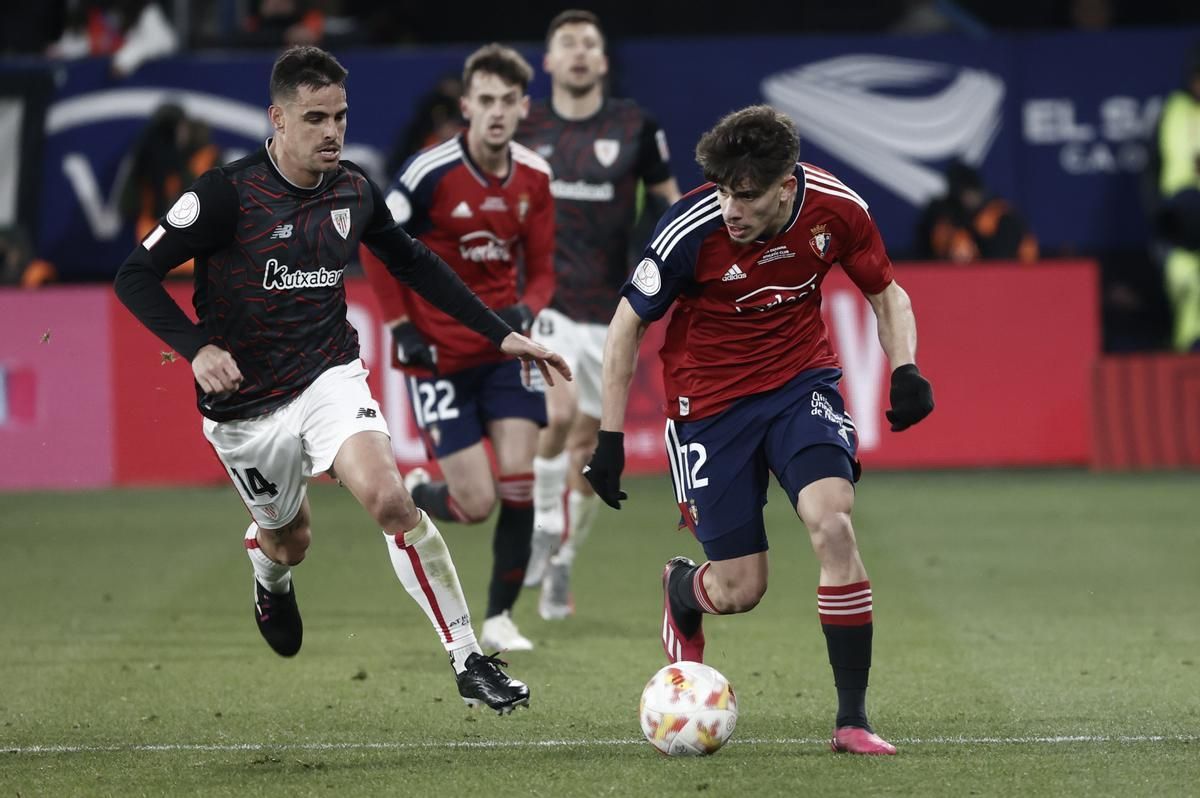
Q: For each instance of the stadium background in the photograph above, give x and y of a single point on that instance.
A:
(1052, 121)
(1065, 596)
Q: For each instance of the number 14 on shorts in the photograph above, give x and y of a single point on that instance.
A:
(252, 483)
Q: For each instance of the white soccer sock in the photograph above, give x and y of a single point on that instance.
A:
(581, 511)
(422, 563)
(549, 482)
(275, 577)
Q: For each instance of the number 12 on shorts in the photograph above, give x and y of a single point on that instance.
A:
(253, 483)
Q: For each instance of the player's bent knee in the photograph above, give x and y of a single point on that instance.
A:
(734, 596)
(833, 534)
(392, 508)
(744, 598)
(476, 506)
(287, 545)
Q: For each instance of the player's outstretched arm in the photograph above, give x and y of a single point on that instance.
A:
(911, 394)
(625, 333)
(529, 351)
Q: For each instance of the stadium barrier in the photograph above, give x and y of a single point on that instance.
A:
(88, 398)
(1147, 412)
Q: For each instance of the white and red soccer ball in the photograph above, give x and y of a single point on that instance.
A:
(688, 709)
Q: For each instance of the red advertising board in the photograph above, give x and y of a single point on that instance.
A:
(55, 394)
(1009, 350)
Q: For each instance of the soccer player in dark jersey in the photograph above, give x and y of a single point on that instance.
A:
(278, 377)
(481, 202)
(751, 383)
(603, 151)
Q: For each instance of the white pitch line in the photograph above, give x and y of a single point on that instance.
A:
(501, 744)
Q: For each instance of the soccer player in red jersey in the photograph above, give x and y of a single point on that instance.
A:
(603, 150)
(751, 383)
(481, 202)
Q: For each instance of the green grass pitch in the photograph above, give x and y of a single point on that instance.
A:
(1037, 633)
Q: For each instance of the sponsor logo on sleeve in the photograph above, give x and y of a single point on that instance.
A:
(158, 232)
(185, 211)
(660, 138)
(646, 277)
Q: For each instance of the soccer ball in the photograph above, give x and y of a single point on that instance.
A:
(688, 709)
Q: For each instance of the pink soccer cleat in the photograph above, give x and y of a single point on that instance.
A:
(677, 645)
(853, 740)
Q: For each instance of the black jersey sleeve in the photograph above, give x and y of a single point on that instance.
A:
(653, 163)
(416, 266)
(202, 221)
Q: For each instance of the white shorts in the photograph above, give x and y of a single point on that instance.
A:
(582, 345)
(270, 457)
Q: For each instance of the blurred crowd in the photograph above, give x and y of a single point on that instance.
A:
(146, 28)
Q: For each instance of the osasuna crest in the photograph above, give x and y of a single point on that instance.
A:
(607, 151)
(341, 221)
(820, 240)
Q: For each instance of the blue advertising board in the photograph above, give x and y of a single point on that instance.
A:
(1058, 123)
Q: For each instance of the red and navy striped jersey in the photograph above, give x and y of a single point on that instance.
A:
(748, 316)
(485, 227)
(597, 163)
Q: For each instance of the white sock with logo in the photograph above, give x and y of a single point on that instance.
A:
(549, 482)
(275, 577)
(422, 563)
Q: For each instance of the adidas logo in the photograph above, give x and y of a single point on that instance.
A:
(735, 273)
(461, 211)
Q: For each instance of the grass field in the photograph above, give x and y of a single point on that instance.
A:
(1037, 633)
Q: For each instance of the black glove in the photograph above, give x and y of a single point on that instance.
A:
(411, 348)
(604, 469)
(517, 316)
(911, 396)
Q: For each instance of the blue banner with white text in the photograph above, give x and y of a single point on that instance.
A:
(1061, 124)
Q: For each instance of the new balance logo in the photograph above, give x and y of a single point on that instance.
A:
(282, 231)
(461, 211)
(366, 412)
(735, 273)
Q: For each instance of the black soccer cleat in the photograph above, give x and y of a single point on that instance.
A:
(483, 681)
(278, 619)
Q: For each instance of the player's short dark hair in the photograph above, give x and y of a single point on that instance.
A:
(503, 62)
(304, 65)
(574, 16)
(756, 145)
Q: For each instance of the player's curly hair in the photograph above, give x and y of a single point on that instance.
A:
(304, 65)
(756, 145)
(503, 62)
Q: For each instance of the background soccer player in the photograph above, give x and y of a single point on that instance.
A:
(751, 383)
(601, 149)
(278, 377)
(481, 202)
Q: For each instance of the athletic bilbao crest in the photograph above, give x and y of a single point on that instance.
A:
(607, 151)
(341, 221)
(820, 240)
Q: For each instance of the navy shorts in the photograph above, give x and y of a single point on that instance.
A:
(720, 465)
(453, 410)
